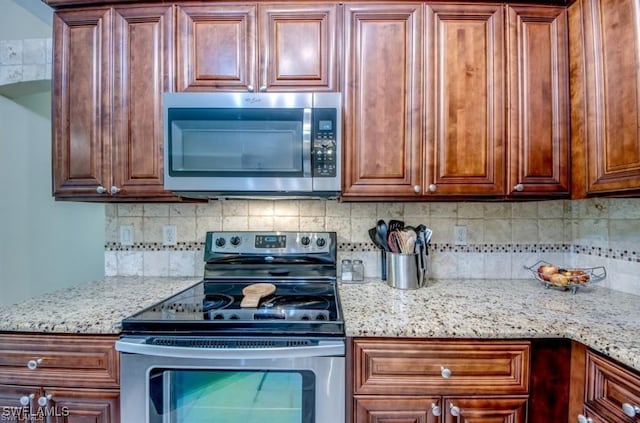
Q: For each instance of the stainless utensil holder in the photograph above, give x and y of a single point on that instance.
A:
(406, 271)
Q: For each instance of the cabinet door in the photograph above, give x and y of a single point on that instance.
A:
(297, 47)
(142, 72)
(538, 127)
(464, 100)
(84, 405)
(396, 409)
(383, 100)
(215, 48)
(608, 387)
(16, 402)
(81, 102)
(611, 84)
(485, 410)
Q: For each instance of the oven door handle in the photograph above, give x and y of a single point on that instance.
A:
(328, 348)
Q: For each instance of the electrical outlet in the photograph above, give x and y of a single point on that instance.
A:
(126, 234)
(169, 235)
(460, 235)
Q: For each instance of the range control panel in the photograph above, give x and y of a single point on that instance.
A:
(276, 243)
(324, 149)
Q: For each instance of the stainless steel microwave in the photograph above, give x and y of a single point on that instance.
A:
(252, 144)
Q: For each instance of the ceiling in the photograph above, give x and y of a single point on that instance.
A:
(36, 8)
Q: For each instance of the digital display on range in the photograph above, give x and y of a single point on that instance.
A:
(271, 241)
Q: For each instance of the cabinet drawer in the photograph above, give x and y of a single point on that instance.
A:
(608, 387)
(418, 367)
(59, 360)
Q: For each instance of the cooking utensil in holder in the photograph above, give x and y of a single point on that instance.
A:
(406, 271)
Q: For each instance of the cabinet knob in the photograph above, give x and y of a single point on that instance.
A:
(455, 411)
(100, 189)
(630, 410)
(26, 399)
(114, 190)
(417, 189)
(519, 188)
(433, 188)
(583, 419)
(263, 88)
(33, 364)
(435, 410)
(446, 373)
(250, 88)
(44, 400)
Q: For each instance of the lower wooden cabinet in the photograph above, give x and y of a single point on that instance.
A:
(610, 391)
(370, 409)
(417, 380)
(59, 378)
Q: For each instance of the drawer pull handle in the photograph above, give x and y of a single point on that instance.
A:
(446, 373)
(433, 188)
(519, 188)
(455, 411)
(583, 419)
(630, 410)
(33, 364)
(26, 399)
(435, 410)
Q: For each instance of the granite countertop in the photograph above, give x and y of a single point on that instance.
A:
(92, 308)
(605, 320)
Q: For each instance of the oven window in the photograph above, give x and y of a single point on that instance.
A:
(232, 396)
(240, 143)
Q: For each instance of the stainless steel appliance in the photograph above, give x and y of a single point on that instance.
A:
(252, 144)
(203, 356)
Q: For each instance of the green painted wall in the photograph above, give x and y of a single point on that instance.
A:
(44, 245)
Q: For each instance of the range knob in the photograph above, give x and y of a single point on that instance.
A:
(220, 242)
(305, 240)
(321, 242)
(235, 241)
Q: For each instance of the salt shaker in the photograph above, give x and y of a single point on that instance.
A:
(347, 270)
(358, 270)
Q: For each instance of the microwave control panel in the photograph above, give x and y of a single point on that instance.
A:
(324, 146)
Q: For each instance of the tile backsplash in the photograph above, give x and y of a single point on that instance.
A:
(501, 237)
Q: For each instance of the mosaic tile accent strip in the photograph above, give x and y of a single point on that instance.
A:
(633, 256)
(355, 247)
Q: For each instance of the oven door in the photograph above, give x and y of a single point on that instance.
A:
(221, 384)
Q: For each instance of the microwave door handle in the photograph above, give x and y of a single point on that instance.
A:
(306, 143)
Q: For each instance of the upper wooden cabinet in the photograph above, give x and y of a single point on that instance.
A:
(605, 82)
(538, 93)
(111, 67)
(448, 100)
(268, 47)
(465, 100)
(383, 99)
(81, 91)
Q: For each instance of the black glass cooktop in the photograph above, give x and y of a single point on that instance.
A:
(214, 307)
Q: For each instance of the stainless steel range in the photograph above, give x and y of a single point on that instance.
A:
(260, 339)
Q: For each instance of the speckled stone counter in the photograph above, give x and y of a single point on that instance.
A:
(605, 320)
(92, 308)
